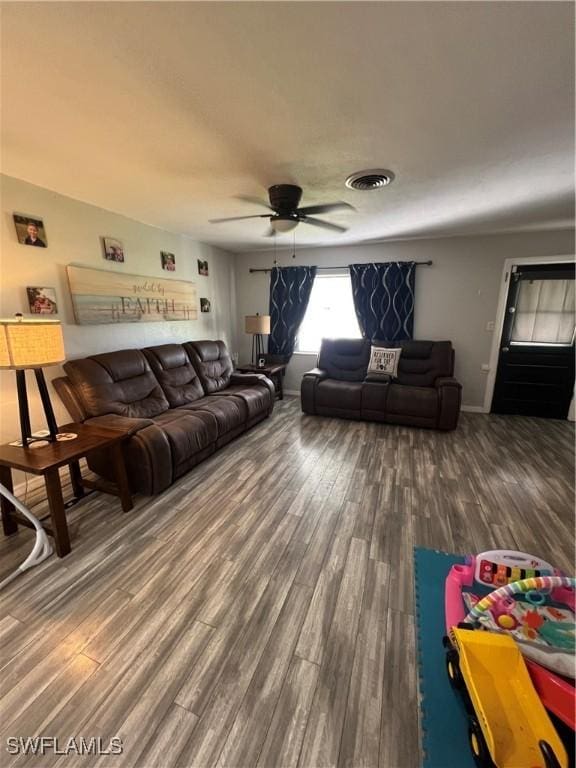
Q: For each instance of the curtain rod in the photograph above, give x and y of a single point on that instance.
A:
(347, 266)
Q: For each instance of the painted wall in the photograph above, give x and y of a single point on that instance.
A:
(73, 231)
(455, 298)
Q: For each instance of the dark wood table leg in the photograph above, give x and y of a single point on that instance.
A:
(57, 512)
(76, 479)
(121, 477)
(9, 523)
(279, 377)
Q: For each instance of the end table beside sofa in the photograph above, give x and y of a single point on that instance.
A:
(46, 460)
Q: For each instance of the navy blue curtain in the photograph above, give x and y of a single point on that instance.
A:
(384, 299)
(289, 293)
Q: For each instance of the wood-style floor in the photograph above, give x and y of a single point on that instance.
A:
(261, 612)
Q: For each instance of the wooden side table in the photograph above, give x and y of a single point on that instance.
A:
(46, 460)
(274, 371)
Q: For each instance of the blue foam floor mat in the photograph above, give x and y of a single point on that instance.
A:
(443, 719)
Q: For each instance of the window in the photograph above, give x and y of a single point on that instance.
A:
(544, 313)
(330, 313)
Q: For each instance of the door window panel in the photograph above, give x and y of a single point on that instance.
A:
(544, 312)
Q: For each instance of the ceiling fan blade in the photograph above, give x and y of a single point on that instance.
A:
(326, 208)
(322, 224)
(240, 218)
(254, 201)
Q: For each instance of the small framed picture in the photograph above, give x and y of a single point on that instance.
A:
(30, 230)
(42, 301)
(168, 261)
(203, 268)
(204, 305)
(261, 362)
(113, 249)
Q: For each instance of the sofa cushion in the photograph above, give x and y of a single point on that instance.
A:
(412, 401)
(212, 363)
(230, 412)
(188, 433)
(344, 359)
(175, 373)
(117, 382)
(343, 395)
(422, 362)
(257, 398)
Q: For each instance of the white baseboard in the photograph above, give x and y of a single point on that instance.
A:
(291, 391)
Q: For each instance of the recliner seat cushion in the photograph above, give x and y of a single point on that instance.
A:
(256, 398)
(211, 362)
(175, 373)
(230, 413)
(412, 401)
(117, 382)
(342, 395)
(188, 433)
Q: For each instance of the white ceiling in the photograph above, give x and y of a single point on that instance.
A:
(167, 112)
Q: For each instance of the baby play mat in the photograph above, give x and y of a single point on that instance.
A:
(443, 719)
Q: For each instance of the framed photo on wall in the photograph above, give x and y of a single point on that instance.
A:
(168, 261)
(205, 305)
(203, 267)
(42, 301)
(30, 230)
(113, 249)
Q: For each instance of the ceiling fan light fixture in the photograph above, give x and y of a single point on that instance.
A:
(369, 180)
(283, 224)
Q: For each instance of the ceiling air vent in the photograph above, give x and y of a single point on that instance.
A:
(366, 180)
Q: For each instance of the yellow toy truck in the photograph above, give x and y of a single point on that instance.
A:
(508, 725)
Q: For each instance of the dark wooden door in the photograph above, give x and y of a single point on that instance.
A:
(535, 375)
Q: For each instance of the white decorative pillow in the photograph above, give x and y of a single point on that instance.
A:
(384, 362)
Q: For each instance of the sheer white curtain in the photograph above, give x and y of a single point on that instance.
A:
(330, 313)
(544, 312)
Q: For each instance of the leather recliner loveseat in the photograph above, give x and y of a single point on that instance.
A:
(424, 393)
(176, 403)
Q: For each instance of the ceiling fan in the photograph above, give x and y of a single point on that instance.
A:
(286, 215)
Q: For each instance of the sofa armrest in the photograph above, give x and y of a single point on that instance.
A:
(254, 378)
(449, 401)
(121, 423)
(447, 381)
(248, 378)
(310, 381)
(318, 373)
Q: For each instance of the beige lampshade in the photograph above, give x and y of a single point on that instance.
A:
(258, 324)
(30, 343)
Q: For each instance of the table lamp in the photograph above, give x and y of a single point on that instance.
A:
(258, 326)
(31, 343)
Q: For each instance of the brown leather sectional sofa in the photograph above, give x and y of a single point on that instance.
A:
(178, 403)
(424, 394)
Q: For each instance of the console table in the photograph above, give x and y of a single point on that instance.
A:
(274, 371)
(45, 460)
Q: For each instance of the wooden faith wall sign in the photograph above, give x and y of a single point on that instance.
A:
(105, 297)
